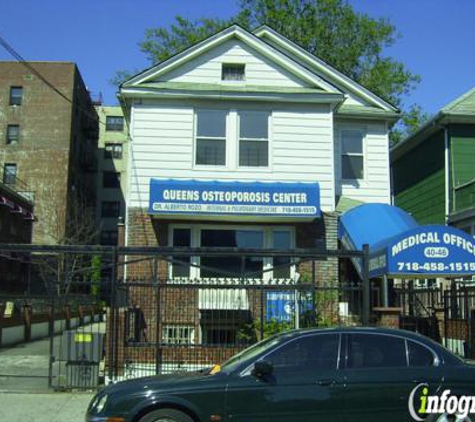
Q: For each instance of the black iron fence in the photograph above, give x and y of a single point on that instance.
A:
(443, 311)
(111, 313)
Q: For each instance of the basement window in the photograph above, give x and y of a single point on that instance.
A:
(233, 72)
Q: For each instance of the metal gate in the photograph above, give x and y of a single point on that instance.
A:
(113, 313)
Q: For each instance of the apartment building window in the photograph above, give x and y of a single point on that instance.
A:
(109, 237)
(113, 151)
(211, 137)
(114, 123)
(233, 72)
(16, 95)
(253, 139)
(110, 179)
(9, 173)
(352, 154)
(110, 209)
(13, 134)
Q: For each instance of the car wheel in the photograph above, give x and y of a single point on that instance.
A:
(450, 418)
(166, 415)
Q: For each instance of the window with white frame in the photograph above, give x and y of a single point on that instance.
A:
(352, 154)
(211, 137)
(253, 139)
(178, 334)
(213, 267)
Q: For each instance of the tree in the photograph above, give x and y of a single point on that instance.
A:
(352, 42)
(410, 122)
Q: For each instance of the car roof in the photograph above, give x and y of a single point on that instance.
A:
(360, 329)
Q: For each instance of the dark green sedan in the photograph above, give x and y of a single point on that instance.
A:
(341, 374)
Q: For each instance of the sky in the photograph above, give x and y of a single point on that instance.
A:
(437, 37)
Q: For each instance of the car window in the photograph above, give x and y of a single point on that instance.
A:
(376, 351)
(308, 353)
(419, 355)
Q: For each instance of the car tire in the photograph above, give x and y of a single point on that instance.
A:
(166, 415)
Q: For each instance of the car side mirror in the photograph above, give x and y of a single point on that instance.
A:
(262, 369)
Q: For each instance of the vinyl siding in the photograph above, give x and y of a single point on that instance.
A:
(207, 68)
(462, 146)
(419, 181)
(375, 185)
(301, 150)
(425, 200)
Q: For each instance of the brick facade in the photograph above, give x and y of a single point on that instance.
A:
(55, 152)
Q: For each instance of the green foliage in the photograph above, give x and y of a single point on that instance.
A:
(250, 333)
(350, 41)
(96, 264)
(410, 122)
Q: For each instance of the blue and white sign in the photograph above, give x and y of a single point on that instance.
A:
(280, 306)
(435, 250)
(234, 198)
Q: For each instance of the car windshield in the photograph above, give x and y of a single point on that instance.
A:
(252, 352)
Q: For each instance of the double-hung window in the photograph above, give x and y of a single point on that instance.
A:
(253, 139)
(16, 95)
(211, 137)
(13, 134)
(352, 154)
(9, 174)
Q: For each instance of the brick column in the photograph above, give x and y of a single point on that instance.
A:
(388, 317)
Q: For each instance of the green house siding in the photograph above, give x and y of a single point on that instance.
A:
(419, 181)
(462, 147)
(425, 200)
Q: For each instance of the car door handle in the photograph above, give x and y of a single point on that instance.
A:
(325, 382)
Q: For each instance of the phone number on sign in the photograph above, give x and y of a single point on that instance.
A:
(436, 266)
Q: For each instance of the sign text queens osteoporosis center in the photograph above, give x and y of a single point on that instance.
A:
(234, 198)
(432, 249)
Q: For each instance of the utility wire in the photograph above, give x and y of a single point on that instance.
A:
(15, 54)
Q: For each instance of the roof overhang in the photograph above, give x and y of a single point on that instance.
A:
(438, 122)
(341, 80)
(247, 38)
(179, 94)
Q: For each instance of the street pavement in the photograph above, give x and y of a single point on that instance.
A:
(44, 407)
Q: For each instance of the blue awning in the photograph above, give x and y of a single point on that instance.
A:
(399, 247)
(371, 223)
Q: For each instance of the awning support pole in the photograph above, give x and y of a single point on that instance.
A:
(385, 291)
(366, 286)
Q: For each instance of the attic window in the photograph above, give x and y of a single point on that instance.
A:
(232, 72)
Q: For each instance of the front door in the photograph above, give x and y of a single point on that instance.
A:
(306, 385)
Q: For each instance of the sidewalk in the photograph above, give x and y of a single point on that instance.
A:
(48, 407)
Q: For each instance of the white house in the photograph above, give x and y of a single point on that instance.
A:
(253, 108)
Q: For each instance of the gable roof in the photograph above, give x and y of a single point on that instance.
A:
(460, 110)
(463, 105)
(234, 31)
(323, 68)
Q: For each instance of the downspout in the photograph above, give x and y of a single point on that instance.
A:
(447, 175)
